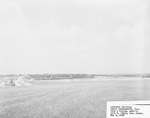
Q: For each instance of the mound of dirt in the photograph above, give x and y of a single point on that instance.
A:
(13, 82)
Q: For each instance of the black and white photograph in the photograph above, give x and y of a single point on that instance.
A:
(74, 59)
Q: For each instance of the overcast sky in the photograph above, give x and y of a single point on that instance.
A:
(74, 36)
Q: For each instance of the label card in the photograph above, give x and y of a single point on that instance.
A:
(128, 109)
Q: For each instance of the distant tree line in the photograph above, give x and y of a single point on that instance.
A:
(59, 76)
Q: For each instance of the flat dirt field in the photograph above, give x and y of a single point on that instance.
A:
(70, 99)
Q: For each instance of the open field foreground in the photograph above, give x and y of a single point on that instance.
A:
(69, 99)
